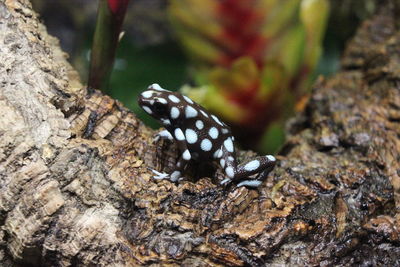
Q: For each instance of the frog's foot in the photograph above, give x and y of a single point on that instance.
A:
(164, 134)
(226, 181)
(173, 177)
(160, 175)
(250, 183)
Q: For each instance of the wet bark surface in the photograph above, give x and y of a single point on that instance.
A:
(75, 185)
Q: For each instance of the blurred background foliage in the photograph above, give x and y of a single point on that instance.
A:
(253, 61)
(151, 51)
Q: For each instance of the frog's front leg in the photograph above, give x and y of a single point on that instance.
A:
(164, 134)
(183, 160)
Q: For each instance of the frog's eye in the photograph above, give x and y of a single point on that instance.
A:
(159, 108)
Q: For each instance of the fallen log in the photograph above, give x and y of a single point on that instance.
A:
(75, 185)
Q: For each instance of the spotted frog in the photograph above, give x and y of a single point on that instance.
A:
(201, 136)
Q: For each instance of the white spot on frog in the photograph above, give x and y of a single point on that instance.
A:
(179, 134)
(147, 109)
(174, 99)
(199, 124)
(190, 112)
(206, 145)
(191, 136)
(174, 112)
(188, 99)
(252, 165)
(213, 132)
(228, 145)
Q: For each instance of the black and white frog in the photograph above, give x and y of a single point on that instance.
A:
(200, 136)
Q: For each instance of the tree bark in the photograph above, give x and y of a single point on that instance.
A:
(75, 185)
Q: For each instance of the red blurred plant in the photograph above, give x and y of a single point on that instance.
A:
(110, 16)
(253, 59)
(118, 7)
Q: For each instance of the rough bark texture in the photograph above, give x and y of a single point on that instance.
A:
(75, 188)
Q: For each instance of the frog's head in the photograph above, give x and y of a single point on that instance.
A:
(156, 103)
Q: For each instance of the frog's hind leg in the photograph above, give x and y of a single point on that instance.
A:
(261, 165)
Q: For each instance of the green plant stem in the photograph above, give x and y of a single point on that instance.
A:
(105, 43)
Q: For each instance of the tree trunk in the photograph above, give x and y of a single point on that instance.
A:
(75, 188)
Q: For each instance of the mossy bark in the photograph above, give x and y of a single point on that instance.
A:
(75, 188)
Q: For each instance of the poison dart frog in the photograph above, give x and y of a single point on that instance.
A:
(200, 136)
